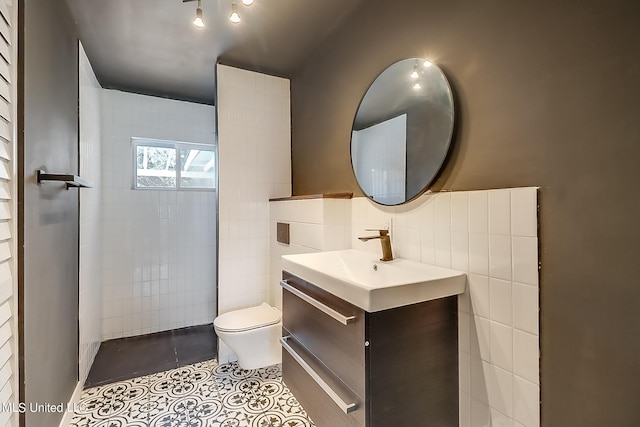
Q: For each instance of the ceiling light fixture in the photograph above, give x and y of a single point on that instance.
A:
(234, 17)
(427, 63)
(198, 22)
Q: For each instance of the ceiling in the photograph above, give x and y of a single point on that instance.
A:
(152, 47)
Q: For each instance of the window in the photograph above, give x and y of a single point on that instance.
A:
(172, 165)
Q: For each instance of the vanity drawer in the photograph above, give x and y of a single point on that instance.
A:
(327, 400)
(340, 347)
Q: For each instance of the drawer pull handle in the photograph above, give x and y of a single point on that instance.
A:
(345, 320)
(344, 406)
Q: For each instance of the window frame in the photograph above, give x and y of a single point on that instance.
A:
(177, 146)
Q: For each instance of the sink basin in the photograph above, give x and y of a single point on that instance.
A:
(363, 280)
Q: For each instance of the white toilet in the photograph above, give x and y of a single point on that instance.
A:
(253, 334)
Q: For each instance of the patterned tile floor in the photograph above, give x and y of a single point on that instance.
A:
(200, 395)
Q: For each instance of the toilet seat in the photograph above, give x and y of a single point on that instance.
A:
(247, 319)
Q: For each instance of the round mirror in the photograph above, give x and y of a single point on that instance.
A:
(402, 131)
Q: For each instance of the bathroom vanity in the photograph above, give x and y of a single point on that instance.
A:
(352, 361)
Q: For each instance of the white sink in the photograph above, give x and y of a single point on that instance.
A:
(366, 282)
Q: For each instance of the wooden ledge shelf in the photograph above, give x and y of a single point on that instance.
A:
(315, 196)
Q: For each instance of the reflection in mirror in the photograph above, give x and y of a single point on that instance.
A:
(379, 154)
(402, 131)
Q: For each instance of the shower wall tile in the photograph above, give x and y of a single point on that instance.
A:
(159, 247)
(255, 165)
(90, 236)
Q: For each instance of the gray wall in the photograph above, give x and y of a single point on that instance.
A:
(48, 214)
(547, 95)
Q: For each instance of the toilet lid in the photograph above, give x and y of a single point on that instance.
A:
(247, 318)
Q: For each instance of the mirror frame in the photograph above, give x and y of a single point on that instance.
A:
(429, 180)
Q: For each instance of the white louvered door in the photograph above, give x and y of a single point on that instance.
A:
(8, 297)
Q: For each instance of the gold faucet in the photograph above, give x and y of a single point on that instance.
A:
(385, 242)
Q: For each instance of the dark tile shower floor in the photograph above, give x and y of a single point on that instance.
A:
(126, 358)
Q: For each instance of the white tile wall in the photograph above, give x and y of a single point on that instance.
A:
(491, 235)
(90, 262)
(314, 225)
(159, 247)
(255, 165)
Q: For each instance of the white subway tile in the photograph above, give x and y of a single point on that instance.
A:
(307, 211)
(480, 338)
(480, 414)
(500, 389)
(478, 212)
(526, 407)
(464, 331)
(309, 235)
(524, 215)
(464, 405)
(500, 257)
(502, 346)
(479, 389)
(501, 301)
(525, 260)
(443, 211)
(460, 212)
(525, 356)
(406, 244)
(500, 212)
(443, 248)
(464, 299)
(460, 251)
(428, 246)
(427, 213)
(498, 419)
(479, 254)
(464, 371)
(525, 308)
(479, 292)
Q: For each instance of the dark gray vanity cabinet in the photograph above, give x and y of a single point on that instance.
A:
(349, 367)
